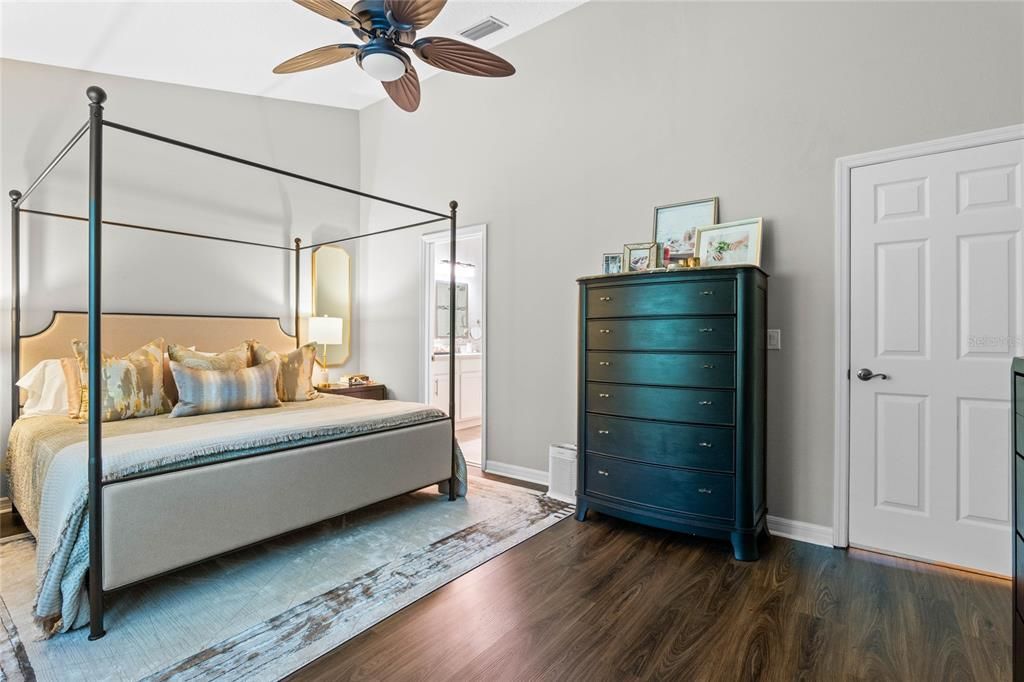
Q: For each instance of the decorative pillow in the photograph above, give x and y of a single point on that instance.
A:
(73, 384)
(133, 386)
(46, 388)
(202, 391)
(170, 388)
(295, 379)
(235, 358)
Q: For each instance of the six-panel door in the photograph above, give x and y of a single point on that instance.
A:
(937, 306)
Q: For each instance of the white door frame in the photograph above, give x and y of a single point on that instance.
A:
(844, 168)
(426, 342)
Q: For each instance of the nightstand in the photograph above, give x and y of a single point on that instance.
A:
(364, 391)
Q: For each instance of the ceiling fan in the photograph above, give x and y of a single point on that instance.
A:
(387, 28)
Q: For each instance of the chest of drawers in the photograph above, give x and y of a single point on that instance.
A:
(671, 414)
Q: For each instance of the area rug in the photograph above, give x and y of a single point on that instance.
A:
(264, 612)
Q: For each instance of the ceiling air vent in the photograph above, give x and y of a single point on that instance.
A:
(484, 28)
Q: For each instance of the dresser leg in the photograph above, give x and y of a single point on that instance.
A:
(744, 546)
(581, 510)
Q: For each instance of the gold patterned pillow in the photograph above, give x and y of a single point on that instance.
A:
(234, 358)
(295, 378)
(132, 386)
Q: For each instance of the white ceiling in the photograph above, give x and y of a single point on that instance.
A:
(232, 45)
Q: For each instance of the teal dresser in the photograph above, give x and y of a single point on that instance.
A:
(672, 401)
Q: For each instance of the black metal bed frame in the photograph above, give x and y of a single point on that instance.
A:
(94, 127)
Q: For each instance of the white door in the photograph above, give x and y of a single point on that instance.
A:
(937, 307)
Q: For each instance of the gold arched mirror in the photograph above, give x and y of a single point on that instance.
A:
(332, 295)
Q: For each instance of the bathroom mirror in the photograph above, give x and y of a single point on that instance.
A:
(461, 310)
(332, 295)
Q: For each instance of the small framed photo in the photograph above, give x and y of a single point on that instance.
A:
(737, 243)
(642, 256)
(612, 263)
(676, 225)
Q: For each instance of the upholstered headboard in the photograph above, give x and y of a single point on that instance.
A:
(124, 332)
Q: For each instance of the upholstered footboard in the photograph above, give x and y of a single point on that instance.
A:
(158, 523)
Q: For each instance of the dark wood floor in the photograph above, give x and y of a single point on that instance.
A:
(609, 600)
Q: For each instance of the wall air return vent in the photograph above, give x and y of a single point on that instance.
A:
(484, 28)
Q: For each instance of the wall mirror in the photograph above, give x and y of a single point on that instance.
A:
(461, 310)
(332, 295)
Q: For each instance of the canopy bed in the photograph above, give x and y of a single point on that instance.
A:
(112, 505)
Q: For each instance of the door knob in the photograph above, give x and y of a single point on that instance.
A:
(865, 374)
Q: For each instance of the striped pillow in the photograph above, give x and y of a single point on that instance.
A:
(202, 391)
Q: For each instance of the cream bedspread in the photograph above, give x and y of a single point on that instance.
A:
(47, 464)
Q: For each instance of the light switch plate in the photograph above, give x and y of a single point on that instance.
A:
(774, 339)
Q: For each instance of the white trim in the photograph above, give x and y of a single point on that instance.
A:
(517, 472)
(430, 240)
(844, 169)
(800, 531)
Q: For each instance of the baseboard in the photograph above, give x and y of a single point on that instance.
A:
(800, 530)
(517, 472)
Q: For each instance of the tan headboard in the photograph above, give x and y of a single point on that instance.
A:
(124, 332)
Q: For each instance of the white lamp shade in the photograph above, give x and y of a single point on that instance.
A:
(326, 330)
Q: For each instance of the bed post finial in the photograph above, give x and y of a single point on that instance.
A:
(453, 204)
(15, 195)
(96, 94)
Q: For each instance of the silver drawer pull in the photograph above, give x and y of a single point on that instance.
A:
(603, 432)
(707, 292)
(605, 298)
(704, 444)
(605, 331)
(604, 395)
(705, 330)
(604, 363)
(704, 402)
(709, 366)
(706, 491)
(602, 472)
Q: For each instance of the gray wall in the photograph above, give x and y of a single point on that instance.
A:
(154, 184)
(749, 102)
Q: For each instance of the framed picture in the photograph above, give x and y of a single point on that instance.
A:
(737, 243)
(642, 256)
(612, 264)
(676, 225)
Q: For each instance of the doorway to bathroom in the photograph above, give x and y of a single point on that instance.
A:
(470, 351)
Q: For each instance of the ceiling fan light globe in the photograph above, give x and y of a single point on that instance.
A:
(384, 66)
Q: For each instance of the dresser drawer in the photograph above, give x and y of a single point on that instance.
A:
(678, 490)
(668, 298)
(666, 404)
(677, 445)
(663, 369)
(1018, 583)
(1018, 443)
(671, 334)
(1018, 473)
(1018, 393)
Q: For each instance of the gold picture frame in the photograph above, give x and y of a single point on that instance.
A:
(640, 257)
(726, 244)
(675, 225)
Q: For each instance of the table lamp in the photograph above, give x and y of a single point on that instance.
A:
(326, 331)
